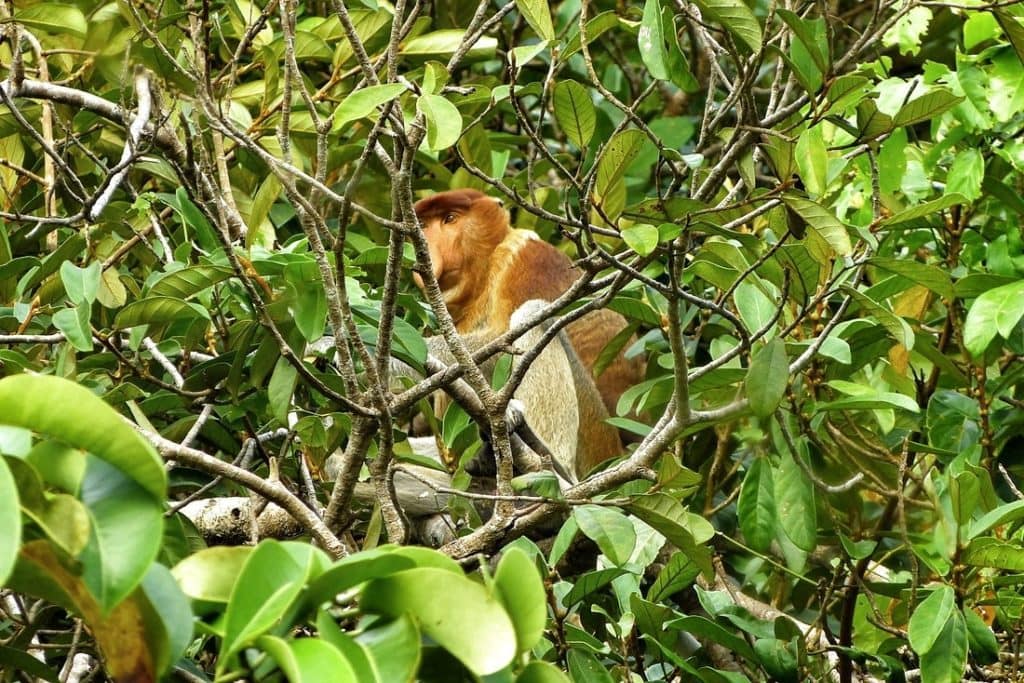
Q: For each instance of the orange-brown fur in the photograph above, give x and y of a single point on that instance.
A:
(487, 269)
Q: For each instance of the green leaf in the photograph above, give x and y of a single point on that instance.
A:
(469, 622)
(309, 303)
(444, 122)
(609, 529)
(519, 588)
(354, 570)
(641, 238)
(615, 158)
(538, 16)
(280, 389)
(53, 17)
(932, 277)
(584, 666)
(74, 323)
(542, 672)
(914, 214)
(823, 222)
(651, 41)
(966, 174)
(270, 581)
(170, 616)
(445, 42)
(1013, 29)
(929, 619)
(81, 284)
(10, 521)
(997, 311)
(984, 647)
(794, 500)
(157, 310)
(127, 530)
(909, 30)
(683, 529)
(866, 397)
(210, 574)
(309, 660)
(72, 414)
(590, 583)
(947, 659)
(363, 102)
(756, 505)
(896, 326)
(812, 161)
(574, 112)
(767, 378)
(994, 554)
(928, 106)
(678, 574)
(1004, 514)
(953, 421)
(812, 35)
(187, 282)
(736, 17)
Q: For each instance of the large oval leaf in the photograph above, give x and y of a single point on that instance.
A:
(574, 112)
(10, 520)
(157, 310)
(362, 103)
(444, 122)
(519, 588)
(458, 613)
(74, 415)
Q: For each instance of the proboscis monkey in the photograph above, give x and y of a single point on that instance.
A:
(487, 270)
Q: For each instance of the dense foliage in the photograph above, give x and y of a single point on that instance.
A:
(809, 212)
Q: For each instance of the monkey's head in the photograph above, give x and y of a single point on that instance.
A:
(463, 228)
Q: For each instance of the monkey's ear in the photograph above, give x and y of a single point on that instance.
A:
(501, 202)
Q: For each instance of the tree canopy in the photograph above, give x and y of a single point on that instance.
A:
(808, 212)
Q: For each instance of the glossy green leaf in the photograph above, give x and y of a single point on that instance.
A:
(308, 660)
(61, 517)
(538, 16)
(280, 389)
(929, 619)
(445, 42)
(395, 648)
(926, 107)
(309, 301)
(363, 102)
(210, 574)
(997, 311)
(354, 570)
(444, 122)
(609, 529)
(519, 588)
(811, 34)
(53, 17)
(995, 554)
(187, 282)
(934, 278)
(584, 666)
(756, 505)
(74, 323)
(10, 519)
(966, 174)
(468, 622)
(755, 307)
(946, 661)
(678, 574)
(736, 17)
(641, 238)
(169, 619)
(767, 378)
(268, 584)
(822, 221)
(81, 284)
(896, 326)
(574, 112)
(590, 583)
(953, 421)
(127, 528)
(74, 415)
(1004, 514)
(157, 310)
(984, 647)
(359, 656)
(795, 505)
(651, 41)
(542, 672)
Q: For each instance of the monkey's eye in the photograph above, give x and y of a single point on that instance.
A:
(450, 218)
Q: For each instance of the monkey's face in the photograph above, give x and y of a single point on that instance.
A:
(462, 229)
